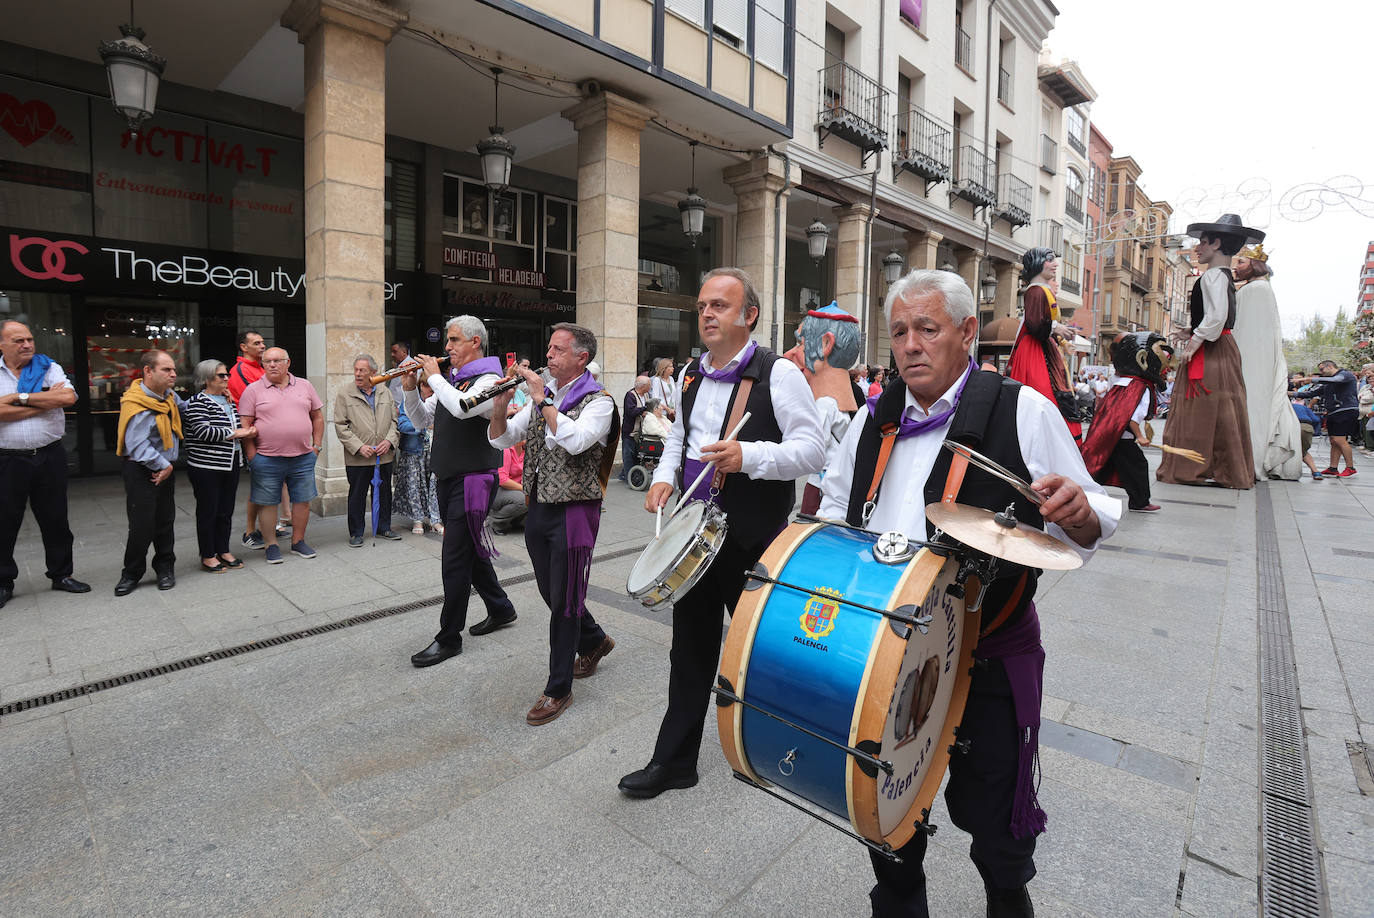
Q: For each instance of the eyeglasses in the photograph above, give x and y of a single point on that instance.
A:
(222, 375)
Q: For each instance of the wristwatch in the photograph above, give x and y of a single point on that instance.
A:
(23, 398)
(547, 403)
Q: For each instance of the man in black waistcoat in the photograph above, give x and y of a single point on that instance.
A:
(939, 393)
(465, 468)
(754, 483)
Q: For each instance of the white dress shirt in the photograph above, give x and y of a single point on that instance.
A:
(421, 411)
(576, 436)
(1046, 448)
(801, 452)
(41, 429)
(1141, 409)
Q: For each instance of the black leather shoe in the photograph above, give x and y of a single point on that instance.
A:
(166, 581)
(653, 780)
(71, 585)
(6, 594)
(1009, 903)
(435, 653)
(489, 624)
(125, 586)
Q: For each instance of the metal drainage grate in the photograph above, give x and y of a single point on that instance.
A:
(90, 688)
(1291, 881)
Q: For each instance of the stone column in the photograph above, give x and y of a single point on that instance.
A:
(345, 127)
(757, 183)
(922, 250)
(968, 262)
(1008, 282)
(851, 263)
(608, 129)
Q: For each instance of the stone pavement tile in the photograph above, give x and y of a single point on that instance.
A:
(1212, 893)
(1231, 757)
(411, 574)
(1111, 688)
(1357, 666)
(51, 868)
(1225, 827)
(40, 686)
(23, 661)
(397, 763)
(1345, 824)
(1350, 885)
(126, 632)
(1328, 760)
(322, 595)
(362, 888)
(111, 668)
(1162, 769)
(1100, 856)
(1081, 743)
(1052, 708)
(1126, 790)
(524, 849)
(1127, 729)
(1351, 620)
(39, 778)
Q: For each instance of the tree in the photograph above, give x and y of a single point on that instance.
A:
(1362, 348)
(1319, 341)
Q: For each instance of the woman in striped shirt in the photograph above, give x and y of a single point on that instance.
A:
(213, 460)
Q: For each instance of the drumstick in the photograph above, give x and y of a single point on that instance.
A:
(686, 494)
(1191, 455)
(658, 520)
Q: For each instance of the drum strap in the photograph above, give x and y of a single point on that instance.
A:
(889, 435)
(958, 465)
(746, 384)
(1012, 602)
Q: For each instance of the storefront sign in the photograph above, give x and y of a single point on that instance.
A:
(469, 258)
(482, 260)
(90, 264)
(479, 298)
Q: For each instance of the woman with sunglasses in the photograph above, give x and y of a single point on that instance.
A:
(213, 459)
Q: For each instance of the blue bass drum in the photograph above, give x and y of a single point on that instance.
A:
(809, 654)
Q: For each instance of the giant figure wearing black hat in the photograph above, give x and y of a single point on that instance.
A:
(1208, 412)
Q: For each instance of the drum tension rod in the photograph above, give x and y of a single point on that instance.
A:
(726, 696)
(923, 622)
(885, 850)
(939, 548)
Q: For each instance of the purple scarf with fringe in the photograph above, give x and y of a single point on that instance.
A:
(582, 518)
(911, 426)
(477, 368)
(478, 486)
(1018, 647)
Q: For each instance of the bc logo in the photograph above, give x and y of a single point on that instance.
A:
(53, 257)
(819, 613)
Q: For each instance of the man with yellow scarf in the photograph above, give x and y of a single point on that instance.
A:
(149, 440)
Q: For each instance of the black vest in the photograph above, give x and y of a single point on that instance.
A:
(757, 509)
(461, 445)
(986, 421)
(1195, 308)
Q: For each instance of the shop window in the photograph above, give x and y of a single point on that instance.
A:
(401, 231)
(489, 236)
(560, 243)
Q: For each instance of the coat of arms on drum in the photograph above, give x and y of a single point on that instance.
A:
(818, 616)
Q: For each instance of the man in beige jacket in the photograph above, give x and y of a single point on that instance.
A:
(365, 422)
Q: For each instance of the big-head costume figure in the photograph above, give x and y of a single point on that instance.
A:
(1112, 447)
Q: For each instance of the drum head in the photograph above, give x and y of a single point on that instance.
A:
(662, 554)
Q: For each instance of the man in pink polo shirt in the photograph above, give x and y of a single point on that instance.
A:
(289, 416)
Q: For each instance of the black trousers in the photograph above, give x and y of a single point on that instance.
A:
(359, 483)
(152, 512)
(463, 569)
(695, 655)
(40, 481)
(979, 795)
(1128, 459)
(570, 631)
(215, 491)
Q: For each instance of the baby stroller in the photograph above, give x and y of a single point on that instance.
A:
(650, 451)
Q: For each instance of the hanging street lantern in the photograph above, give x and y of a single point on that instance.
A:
(693, 207)
(134, 72)
(817, 235)
(989, 287)
(893, 263)
(496, 151)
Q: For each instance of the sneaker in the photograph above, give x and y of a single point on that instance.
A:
(355, 541)
(253, 540)
(390, 535)
(1346, 473)
(1331, 471)
(283, 529)
(1316, 476)
(274, 554)
(300, 548)
(417, 529)
(1148, 508)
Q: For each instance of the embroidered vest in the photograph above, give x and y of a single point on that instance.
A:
(1195, 307)
(986, 421)
(555, 476)
(461, 445)
(757, 508)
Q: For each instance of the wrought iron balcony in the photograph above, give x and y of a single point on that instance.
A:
(1004, 86)
(1074, 211)
(1049, 154)
(975, 179)
(1070, 285)
(1140, 281)
(853, 107)
(963, 49)
(922, 146)
(1077, 143)
(1051, 235)
(1013, 200)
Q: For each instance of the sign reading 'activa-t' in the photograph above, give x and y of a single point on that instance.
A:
(72, 264)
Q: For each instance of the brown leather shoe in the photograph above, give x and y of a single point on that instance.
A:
(585, 664)
(547, 709)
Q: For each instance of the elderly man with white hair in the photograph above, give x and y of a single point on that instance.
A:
(365, 422)
(939, 393)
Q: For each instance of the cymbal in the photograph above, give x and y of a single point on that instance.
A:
(1020, 544)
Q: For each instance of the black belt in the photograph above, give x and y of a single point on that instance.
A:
(27, 452)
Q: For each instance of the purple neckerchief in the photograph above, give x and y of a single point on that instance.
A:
(477, 367)
(1018, 646)
(909, 426)
(731, 376)
(477, 490)
(691, 468)
(581, 520)
(585, 384)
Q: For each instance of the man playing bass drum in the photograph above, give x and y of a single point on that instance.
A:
(753, 482)
(939, 394)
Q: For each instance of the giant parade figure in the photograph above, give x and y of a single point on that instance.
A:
(1274, 433)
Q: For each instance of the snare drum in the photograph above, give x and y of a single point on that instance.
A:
(674, 561)
(811, 656)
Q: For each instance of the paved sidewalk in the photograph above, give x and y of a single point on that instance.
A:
(328, 776)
